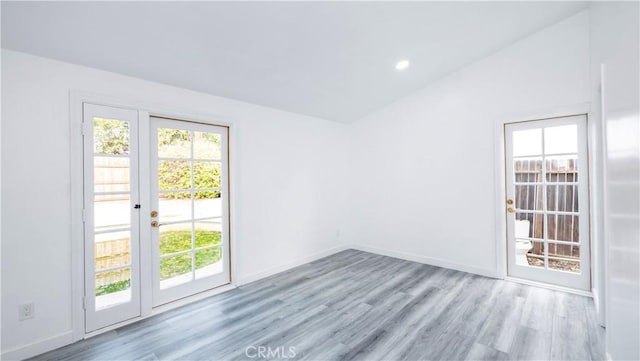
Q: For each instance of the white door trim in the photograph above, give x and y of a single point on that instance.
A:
(499, 173)
(145, 109)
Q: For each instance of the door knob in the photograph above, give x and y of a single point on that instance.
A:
(511, 210)
(509, 201)
(155, 224)
(154, 213)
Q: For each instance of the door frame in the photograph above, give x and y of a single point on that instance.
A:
(500, 215)
(145, 109)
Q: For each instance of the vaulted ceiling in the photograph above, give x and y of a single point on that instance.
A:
(334, 60)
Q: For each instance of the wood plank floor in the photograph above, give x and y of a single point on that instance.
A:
(360, 306)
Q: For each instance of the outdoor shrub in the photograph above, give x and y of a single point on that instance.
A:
(177, 175)
(110, 136)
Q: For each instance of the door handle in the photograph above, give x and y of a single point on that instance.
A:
(155, 224)
(511, 210)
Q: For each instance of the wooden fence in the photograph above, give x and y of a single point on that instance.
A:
(561, 195)
(110, 254)
(111, 174)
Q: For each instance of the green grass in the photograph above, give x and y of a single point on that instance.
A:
(176, 241)
(113, 287)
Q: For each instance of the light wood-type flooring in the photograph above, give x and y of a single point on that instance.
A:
(360, 306)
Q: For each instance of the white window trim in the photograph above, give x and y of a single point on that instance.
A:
(145, 110)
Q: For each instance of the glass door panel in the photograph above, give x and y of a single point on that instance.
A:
(111, 220)
(546, 163)
(189, 190)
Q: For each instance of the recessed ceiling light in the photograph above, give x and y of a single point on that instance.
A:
(402, 65)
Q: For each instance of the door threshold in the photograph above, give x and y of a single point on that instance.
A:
(191, 298)
(163, 308)
(549, 286)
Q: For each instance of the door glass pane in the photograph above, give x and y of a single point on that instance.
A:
(174, 174)
(208, 205)
(112, 212)
(530, 253)
(207, 146)
(527, 142)
(561, 169)
(175, 270)
(113, 288)
(112, 250)
(110, 136)
(206, 175)
(523, 226)
(174, 143)
(528, 197)
(563, 198)
(111, 174)
(528, 170)
(175, 238)
(208, 233)
(564, 257)
(563, 228)
(174, 207)
(208, 262)
(529, 225)
(562, 139)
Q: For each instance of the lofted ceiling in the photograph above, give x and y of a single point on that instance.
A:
(334, 60)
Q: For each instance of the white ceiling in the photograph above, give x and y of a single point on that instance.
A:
(331, 60)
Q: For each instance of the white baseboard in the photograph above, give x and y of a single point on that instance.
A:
(487, 272)
(243, 280)
(38, 347)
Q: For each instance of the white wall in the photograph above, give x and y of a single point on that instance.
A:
(423, 184)
(289, 193)
(615, 43)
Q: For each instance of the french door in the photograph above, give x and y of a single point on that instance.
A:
(547, 201)
(152, 184)
(111, 216)
(189, 201)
